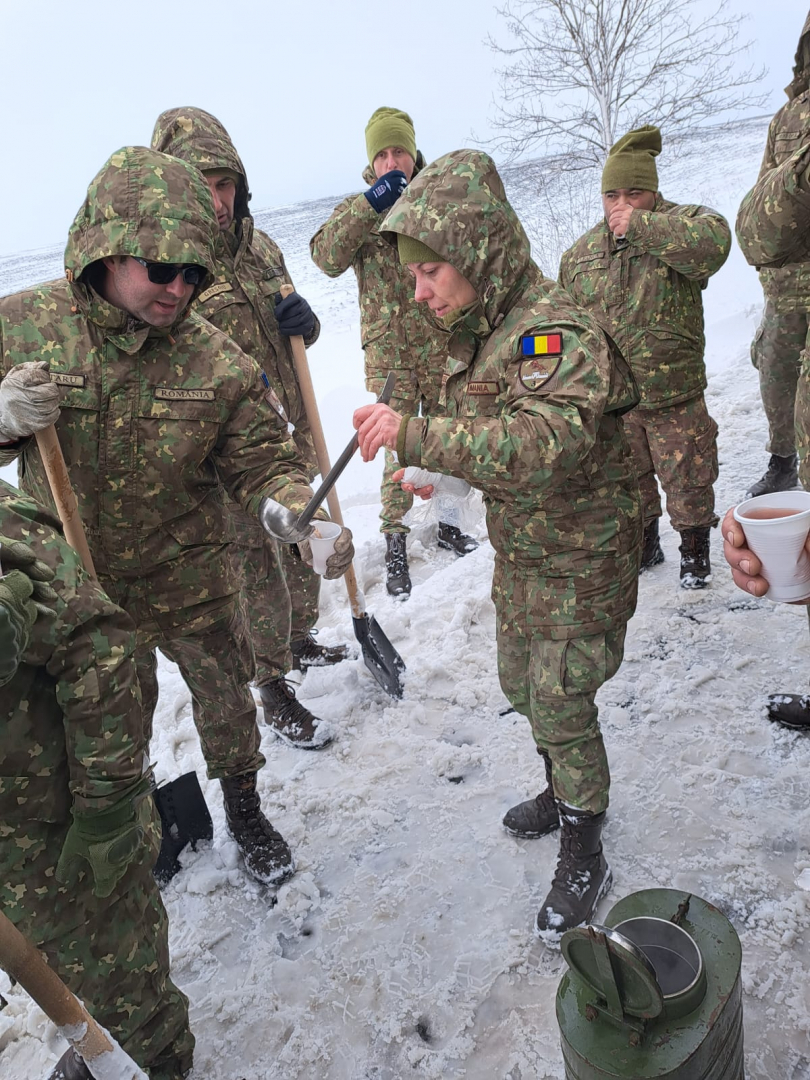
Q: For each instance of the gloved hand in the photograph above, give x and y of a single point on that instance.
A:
(384, 192)
(337, 564)
(294, 315)
(110, 840)
(29, 401)
(24, 594)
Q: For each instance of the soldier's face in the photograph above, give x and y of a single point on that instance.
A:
(441, 287)
(223, 191)
(635, 198)
(128, 287)
(394, 157)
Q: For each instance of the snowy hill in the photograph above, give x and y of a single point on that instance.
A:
(403, 945)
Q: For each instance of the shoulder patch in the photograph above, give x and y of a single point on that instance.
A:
(214, 290)
(541, 345)
(535, 373)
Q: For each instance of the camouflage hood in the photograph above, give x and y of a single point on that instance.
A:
(144, 204)
(197, 137)
(801, 66)
(458, 207)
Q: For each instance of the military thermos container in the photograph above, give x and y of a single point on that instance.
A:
(654, 993)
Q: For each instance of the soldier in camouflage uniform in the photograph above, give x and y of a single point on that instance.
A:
(279, 593)
(782, 342)
(773, 229)
(161, 414)
(79, 833)
(534, 395)
(395, 334)
(640, 272)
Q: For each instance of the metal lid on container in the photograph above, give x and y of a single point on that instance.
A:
(614, 968)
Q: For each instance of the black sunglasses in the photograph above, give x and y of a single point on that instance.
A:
(163, 273)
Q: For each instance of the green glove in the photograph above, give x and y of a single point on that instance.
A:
(17, 615)
(15, 555)
(109, 840)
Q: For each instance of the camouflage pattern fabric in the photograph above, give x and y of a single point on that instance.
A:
(776, 353)
(71, 735)
(217, 666)
(157, 426)
(646, 293)
(395, 334)
(554, 684)
(541, 437)
(248, 275)
(678, 445)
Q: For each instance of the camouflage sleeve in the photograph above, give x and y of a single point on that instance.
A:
(87, 653)
(547, 424)
(773, 222)
(9, 452)
(269, 249)
(335, 245)
(255, 455)
(563, 276)
(694, 240)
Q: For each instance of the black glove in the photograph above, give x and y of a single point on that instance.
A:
(384, 192)
(295, 316)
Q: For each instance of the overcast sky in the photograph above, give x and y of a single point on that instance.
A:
(294, 83)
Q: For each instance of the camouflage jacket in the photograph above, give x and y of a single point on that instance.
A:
(789, 287)
(395, 334)
(773, 223)
(156, 424)
(71, 731)
(249, 268)
(539, 435)
(646, 293)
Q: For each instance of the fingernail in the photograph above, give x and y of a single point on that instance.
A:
(730, 537)
(745, 566)
(752, 587)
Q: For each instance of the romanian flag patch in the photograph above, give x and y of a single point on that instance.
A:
(541, 345)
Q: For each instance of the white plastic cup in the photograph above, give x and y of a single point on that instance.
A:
(778, 542)
(324, 545)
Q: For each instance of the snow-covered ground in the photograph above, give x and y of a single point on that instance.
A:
(403, 944)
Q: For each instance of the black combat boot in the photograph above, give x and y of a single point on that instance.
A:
(455, 540)
(696, 570)
(308, 653)
(265, 851)
(782, 474)
(538, 816)
(582, 876)
(290, 720)
(790, 710)
(398, 581)
(651, 553)
(70, 1067)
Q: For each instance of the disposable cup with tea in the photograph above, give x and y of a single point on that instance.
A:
(776, 528)
(322, 543)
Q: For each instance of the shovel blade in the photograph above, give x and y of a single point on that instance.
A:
(185, 819)
(380, 656)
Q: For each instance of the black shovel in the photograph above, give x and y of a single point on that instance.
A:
(380, 656)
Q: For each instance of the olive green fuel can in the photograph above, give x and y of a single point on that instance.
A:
(653, 993)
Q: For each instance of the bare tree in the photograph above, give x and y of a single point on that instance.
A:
(583, 72)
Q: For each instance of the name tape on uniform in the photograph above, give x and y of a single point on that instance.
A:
(170, 393)
(215, 290)
(483, 389)
(61, 378)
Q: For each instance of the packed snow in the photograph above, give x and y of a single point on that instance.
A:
(403, 945)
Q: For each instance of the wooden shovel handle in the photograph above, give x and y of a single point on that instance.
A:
(20, 960)
(64, 496)
(299, 352)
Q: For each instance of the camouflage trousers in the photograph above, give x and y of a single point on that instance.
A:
(113, 953)
(216, 663)
(780, 346)
(554, 682)
(279, 600)
(678, 444)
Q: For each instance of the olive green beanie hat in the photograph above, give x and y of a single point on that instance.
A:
(631, 161)
(414, 251)
(389, 127)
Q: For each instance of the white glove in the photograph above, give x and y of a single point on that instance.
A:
(29, 401)
(337, 564)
